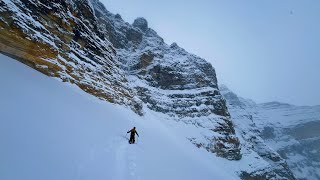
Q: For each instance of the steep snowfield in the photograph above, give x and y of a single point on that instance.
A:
(52, 130)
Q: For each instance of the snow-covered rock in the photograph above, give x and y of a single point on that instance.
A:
(279, 131)
(294, 132)
(141, 23)
(64, 39)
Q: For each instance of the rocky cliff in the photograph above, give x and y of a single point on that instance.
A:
(64, 39)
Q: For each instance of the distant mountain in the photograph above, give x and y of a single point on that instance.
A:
(292, 131)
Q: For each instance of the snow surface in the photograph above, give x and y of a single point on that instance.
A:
(54, 130)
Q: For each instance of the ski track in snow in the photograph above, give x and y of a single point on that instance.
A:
(120, 165)
(125, 156)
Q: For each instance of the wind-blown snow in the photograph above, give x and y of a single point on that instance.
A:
(53, 130)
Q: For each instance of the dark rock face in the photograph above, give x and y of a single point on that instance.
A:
(268, 133)
(145, 60)
(141, 23)
(134, 36)
(175, 77)
(305, 131)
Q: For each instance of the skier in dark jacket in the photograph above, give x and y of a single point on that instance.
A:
(132, 135)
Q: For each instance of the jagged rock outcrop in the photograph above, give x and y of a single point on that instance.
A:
(141, 23)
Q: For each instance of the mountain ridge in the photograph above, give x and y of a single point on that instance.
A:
(292, 131)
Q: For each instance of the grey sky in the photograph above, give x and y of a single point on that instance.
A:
(263, 50)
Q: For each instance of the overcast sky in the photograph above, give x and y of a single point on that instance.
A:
(262, 50)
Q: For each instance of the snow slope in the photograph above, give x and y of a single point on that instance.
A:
(53, 130)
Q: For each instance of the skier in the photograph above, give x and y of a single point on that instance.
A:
(132, 135)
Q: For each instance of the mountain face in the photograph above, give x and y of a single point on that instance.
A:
(294, 132)
(63, 39)
(81, 42)
(174, 82)
(291, 131)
